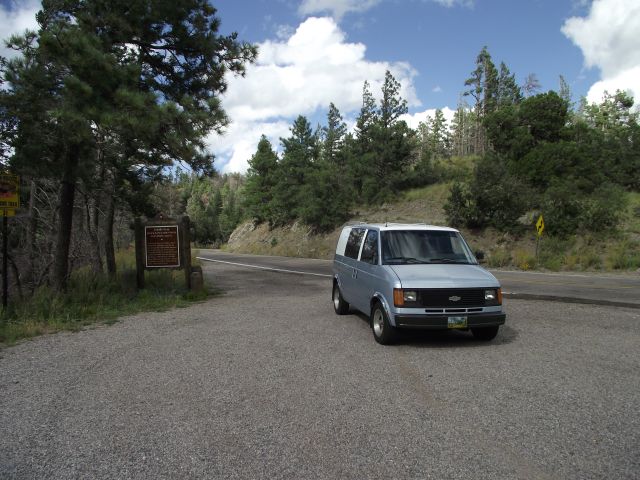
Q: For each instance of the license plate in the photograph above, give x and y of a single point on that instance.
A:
(457, 322)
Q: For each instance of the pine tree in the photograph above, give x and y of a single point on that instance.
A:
(509, 92)
(392, 105)
(392, 147)
(261, 180)
(147, 73)
(484, 89)
(361, 149)
(300, 151)
(333, 134)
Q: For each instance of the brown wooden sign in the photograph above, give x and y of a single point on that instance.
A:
(162, 243)
(162, 246)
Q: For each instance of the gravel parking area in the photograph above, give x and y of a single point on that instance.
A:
(266, 381)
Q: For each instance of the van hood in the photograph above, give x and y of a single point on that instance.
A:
(444, 276)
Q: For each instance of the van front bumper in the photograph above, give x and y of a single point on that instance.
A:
(438, 322)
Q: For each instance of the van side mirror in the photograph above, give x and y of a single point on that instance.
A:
(479, 255)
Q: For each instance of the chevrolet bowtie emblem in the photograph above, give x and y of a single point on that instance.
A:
(455, 298)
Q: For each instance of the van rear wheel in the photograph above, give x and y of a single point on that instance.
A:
(383, 332)
(485, 333)
(339, 304)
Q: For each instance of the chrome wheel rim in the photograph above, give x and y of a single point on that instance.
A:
(378, 322)
(336, 297)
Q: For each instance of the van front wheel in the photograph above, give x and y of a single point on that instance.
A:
(339, 304)
(383, 332)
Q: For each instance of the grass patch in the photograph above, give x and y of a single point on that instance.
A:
(92, 298)
(438, 192)
(499, 258)
(524, 260)
(624, 256)
(632, 217)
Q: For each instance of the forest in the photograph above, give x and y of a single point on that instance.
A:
(105, 109)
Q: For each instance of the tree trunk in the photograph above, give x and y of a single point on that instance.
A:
(108, 237)
(29, 276)
(92, 230)
(65, 221)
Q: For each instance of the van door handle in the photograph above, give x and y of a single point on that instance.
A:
(354, 274)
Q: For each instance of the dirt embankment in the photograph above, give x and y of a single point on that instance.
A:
(298, 240)
(617, 251)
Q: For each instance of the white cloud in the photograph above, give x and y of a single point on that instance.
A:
(337, 8)
(609, 40)
(628, 80)
(16, 17)
(239, 143)
(300, 76)
(452, 3)
(414, 119)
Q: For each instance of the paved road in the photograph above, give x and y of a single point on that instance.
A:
(265, 381)
(612, 290)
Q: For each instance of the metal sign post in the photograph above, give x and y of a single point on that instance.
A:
(539, 229)
(5, 255)
(9, 201)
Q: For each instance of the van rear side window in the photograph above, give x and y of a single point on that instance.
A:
(353, 243)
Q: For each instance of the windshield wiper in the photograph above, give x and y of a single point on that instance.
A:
(403, 259)
(446, 260)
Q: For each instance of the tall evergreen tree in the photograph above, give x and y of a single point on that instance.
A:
(509, 92)
(261, 181)
(333, 135)
(148, 72)
(484, 88)
(300, 151)
(392, 145)
(392, 105)
(361, 150)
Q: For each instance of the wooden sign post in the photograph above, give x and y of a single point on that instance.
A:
(162, 243)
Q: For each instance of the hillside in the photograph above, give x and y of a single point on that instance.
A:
(584, 252)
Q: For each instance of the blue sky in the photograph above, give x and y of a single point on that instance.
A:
(313, 52)
(440, 42)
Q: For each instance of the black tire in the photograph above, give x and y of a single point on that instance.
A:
(383, 332)
(485, 333)
(339, 304)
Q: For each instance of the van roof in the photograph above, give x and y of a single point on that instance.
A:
(401, 226)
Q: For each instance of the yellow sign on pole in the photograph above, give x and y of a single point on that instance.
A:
(540, 225)
(9, 194)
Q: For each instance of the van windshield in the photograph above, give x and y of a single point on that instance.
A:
(402, 247)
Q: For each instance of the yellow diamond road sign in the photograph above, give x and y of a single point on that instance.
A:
(540, 225)
(9, 193)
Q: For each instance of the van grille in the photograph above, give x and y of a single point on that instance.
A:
(440, 297)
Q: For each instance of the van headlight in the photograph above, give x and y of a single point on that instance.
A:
(401, 297)
(409, 295)
(493, 296)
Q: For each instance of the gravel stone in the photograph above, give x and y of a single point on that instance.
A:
(266, 381)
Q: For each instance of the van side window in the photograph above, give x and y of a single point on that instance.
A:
(370, 248)
(353, 243)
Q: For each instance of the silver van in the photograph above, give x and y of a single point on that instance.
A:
(406, 276)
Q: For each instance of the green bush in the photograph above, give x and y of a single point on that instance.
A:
(567, 210)
(492, 198)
